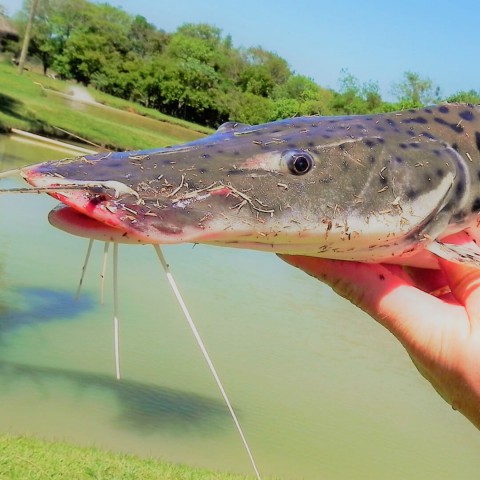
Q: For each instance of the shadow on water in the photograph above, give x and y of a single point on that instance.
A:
(144, 408)
(27, 306)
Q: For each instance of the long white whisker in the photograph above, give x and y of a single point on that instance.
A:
(115, 310)
(200, 343)
(84, 268)
(118, 187)
(104, 270)
(42, 189)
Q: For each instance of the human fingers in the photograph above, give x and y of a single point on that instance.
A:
(463, 279)
(464, 282)
(430, 281)
(434, 281)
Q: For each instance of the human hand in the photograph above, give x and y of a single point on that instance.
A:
(439, 327)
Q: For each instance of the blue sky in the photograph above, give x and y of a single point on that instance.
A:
(374, 40)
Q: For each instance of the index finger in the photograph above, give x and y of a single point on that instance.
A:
(464, 282)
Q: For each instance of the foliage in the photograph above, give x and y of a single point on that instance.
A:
(300, 95)
(354, 98)
(415, 91)
(470, 96)
(194, 73)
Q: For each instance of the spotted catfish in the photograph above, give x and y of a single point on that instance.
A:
(376, 188)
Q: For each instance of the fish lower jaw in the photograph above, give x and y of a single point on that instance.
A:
(113, 229)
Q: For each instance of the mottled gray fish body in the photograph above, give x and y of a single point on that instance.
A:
(368, 188)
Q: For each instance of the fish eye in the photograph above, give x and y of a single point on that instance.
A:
(298, 162)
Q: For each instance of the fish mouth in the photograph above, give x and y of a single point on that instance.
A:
(112, 209)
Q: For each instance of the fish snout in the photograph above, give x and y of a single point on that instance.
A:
(113, 211)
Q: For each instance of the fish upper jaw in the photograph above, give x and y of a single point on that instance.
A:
(119, 211)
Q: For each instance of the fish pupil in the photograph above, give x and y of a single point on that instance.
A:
(300, 164)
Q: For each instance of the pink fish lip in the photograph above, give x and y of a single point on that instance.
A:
(76, 223)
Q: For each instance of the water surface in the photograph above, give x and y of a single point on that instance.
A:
(322, 392)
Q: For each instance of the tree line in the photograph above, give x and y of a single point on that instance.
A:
(196, 73)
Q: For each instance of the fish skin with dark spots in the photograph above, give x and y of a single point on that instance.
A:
(374, 188)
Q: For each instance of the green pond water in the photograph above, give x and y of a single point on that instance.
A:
(322, 392)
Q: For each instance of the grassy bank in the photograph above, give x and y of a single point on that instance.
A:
(42, 105)
(23, 458)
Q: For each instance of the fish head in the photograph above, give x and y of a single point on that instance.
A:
(304, 185)
(232, 186)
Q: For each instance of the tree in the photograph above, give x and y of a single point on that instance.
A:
(209, 34)
(27, 35)
(263, 71)
(189, 83)
(101, 38)
(252, 109)
(354, 97)
(300, 95)
(285, 108)
(78, 38)
(415, 91)
(146, 40)
(55, 21)
(470, 96)
(276, 66)
(370, 92)
(298, 87)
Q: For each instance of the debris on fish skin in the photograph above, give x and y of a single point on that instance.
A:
(377, 188)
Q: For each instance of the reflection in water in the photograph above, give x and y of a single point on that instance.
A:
(38, 305)
(141, 407)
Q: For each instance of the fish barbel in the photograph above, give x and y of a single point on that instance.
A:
(375, 188)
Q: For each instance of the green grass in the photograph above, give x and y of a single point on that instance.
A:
(34, 103)
(24, 458)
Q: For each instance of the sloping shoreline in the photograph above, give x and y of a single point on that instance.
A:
(30, 458)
